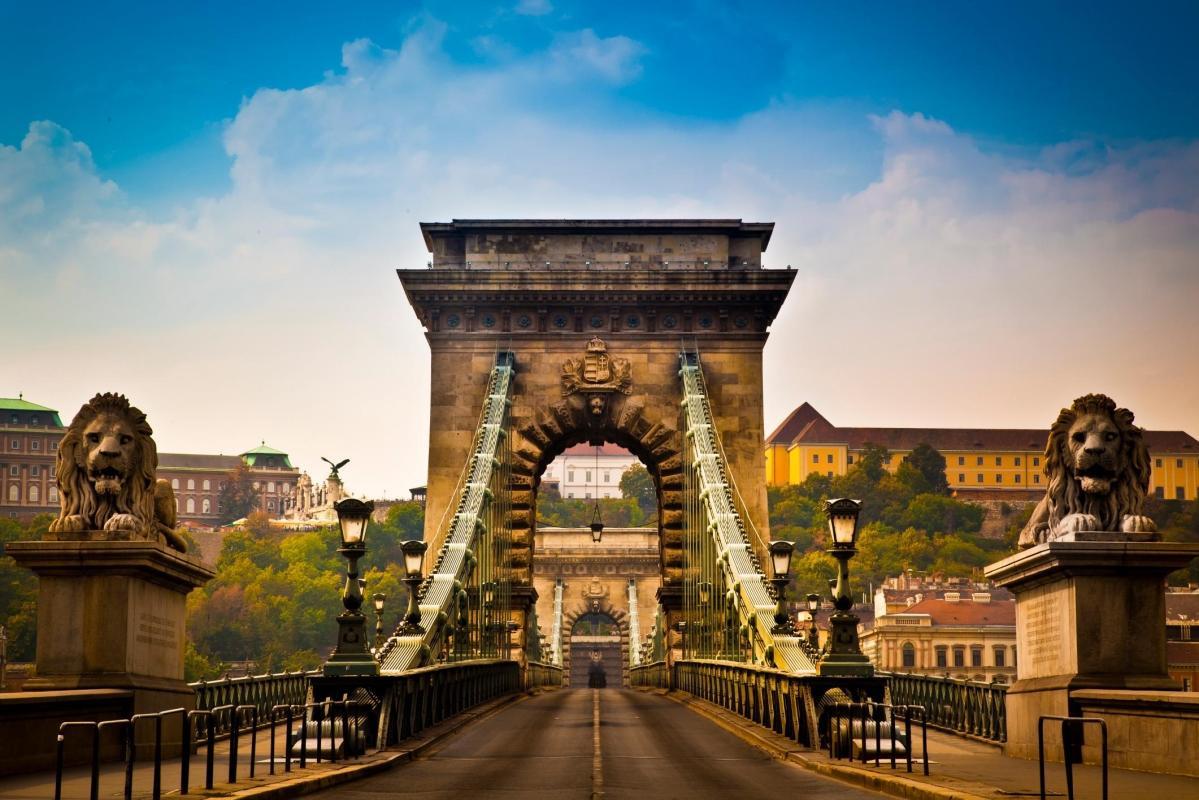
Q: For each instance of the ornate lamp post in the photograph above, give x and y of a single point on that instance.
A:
(352, 656)
(844, 655)
(780, 558)
(705, 593)
(681, 627)
(814, 632)
(378, 599)
(597, 521)
(414, 566)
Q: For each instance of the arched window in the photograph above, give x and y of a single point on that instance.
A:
(270, 486)
(175, 484)
(909, 654)
(207, 485)
(35, 493)
(191, 484)
(270, 505)
(191, 505)
(207, 506)
(53, 494)
(14, 493)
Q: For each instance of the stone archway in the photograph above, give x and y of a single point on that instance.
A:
(602, 608)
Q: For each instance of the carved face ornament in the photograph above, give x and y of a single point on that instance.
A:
(108, 453)
(1094, 444)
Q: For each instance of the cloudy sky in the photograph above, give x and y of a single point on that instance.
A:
(993, 207)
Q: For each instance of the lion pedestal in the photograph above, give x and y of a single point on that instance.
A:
(111, 615)
(1090, 612)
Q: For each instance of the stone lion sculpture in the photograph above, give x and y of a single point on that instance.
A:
(1098, 470)
(106, 473)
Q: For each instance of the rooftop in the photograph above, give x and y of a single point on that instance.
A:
(805, 425)
(605, 449)
(592, 226)
(1182, 606)
(21, 404)
(966, 612)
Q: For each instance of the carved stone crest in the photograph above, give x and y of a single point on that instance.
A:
(596, 372)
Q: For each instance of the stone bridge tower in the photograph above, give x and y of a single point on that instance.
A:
(596, 313)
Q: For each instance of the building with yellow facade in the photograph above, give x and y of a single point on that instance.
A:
(980, 463)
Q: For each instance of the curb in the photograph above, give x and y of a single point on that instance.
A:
(337, 775)
(771, 743)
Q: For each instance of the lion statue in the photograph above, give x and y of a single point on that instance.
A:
(1098, 470)
(106, 475)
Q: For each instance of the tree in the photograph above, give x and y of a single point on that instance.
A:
(636, 483)
(931, 464)
(237, 497)
(872, 462)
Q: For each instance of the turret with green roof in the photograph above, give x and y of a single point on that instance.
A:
(19, 411)
(264, 456)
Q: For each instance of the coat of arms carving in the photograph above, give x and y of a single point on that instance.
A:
(596, 372)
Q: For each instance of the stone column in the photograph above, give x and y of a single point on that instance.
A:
(1090, 614)
(111, 615)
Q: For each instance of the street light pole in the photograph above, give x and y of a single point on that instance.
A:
(844, 656)
(352, 656)
(780, 557)
(414, 562)
(379, 599)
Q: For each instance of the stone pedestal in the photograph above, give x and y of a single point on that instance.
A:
(1090, 614)
(111, 615)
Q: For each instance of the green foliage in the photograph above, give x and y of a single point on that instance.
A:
(575, 513)
(18, 589)
(1177, 521)
(636, 483)
(238, 497)
(931, 466)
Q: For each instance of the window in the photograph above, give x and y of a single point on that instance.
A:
(14, 470)
(191, 505)
(830, 458)
(1178, 463)
(35, 471)
(570, 476)
(257, 486)
(999, 479)
(15, 444)
(1186, 684)
(587, 496)
(207, 485)
(14, 493)
(999, 461)
(53, 446)
(830, 473)
(52, 494)
(206, 506)
(959, 656)
(175, 484)
(1036, 461)
(588, 477)
(909, 654)
(1036, 478)
(1016, 479)
(815, 458)
(976, 656)
(191, 484)
(850, 459)
(961, 461)
(607, 476)
(270, 505)
(1160, 493)
(979, 463)
(1179, 493)
(980, 477)
(35, 493)
(961, 477)
(1000, 657)
(1157, 463)
(35, 444)
(1013, 655)
(942, 656)
(270, 487)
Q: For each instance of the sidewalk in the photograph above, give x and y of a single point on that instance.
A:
(76, 784)
(958, 767)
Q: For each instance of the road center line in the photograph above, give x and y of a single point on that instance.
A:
(597, 757)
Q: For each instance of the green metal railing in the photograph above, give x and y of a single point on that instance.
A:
(541, 675)
(465, 602)
(654, 675)
(952, 704)
(728, 605)
(427, 695)
(263, 692)
(777, 700)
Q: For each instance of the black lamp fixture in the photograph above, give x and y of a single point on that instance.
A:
(597, 522)
(813, 607)
(844, 655)
(378, 599)
(352, 655)
(414, 568)
(780, 559)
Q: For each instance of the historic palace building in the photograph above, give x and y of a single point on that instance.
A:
(31, 435)
(586, 471)
(980, 463)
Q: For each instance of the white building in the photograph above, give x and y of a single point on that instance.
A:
(585, 471)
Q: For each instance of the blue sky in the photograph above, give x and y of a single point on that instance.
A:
(956, 168)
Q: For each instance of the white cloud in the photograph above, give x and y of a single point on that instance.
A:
(534, 8)
(964, 287)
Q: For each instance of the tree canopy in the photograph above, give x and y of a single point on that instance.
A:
(237, 496)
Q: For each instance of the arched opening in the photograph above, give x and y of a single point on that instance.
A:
(596, 652)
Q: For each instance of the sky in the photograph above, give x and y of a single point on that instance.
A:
(992, 207)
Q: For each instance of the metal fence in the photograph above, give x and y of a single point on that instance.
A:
(776, 700)
(264, 692)
(540, 674)
(425, 696)
(953, 704)
(652, 675)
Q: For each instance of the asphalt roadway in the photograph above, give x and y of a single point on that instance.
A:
(591, 743)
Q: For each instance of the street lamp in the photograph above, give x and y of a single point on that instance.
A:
(378, 599)
(813, 607)
(414, 567)
(780, 558)
(844, 656)
(352, 657)
(705, 593)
